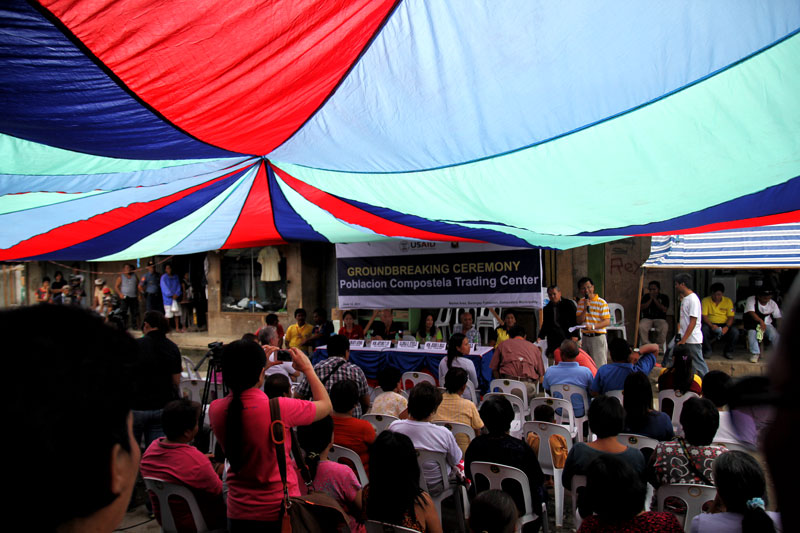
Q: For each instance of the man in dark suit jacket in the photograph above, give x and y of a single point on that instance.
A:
(558, 317)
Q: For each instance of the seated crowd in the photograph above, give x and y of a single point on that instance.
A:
(325, 409)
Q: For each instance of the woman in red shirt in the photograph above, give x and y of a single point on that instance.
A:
(351, 330)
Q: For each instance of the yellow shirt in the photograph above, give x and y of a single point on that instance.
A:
(718, 313)
(454, 408)
(295, 335)
(502, 335)
(597, 312)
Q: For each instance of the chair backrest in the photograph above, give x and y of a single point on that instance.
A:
(578, 482)
(163, 490)
(188, 368)
(416, 377)
(565, 415)
(616, 310)
(425, 456)
(192, 389)
(470, 393)
(373, 526)
(457, 428)
(562, 390)
(444, 317)
(379, 422)
(640, 442)
(510, 386)
(616, 394)
(694, 496)
(348, 457)
(545, 430)
(374, 393)
(516, 403)
(495, 474)
(677, 399)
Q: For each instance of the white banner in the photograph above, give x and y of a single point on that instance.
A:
(407, 274)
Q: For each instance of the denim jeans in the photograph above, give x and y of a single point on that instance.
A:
(147, 423)
(698, 362)
(771, 334)
(710, 336)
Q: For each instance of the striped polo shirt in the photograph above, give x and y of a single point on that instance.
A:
(597, 312)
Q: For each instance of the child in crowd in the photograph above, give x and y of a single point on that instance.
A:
(351, 432)
(390, 401)
(493, 511)
(558, 444)
(174, 460)
(335, 479)
(277, 385)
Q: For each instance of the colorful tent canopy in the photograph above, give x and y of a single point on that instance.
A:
(764, 247)
(131, 128)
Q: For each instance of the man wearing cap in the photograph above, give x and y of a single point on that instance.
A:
(761, 315)
(149, 287)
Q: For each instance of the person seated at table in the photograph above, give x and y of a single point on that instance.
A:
(624, 361)
(335, 479)
(299, 333)
(614, 499)
(457, 351)
(640, 417)
(390, 401)
(715, 388)
(606, 420)
(277, 386)
(455, 408)
(174, 460)
(72, 458)
(350, 329)
(322, 330)
(688, 459)
(393, 495)
(386, 329)
(422, 404)
(350, 432)
(558, 444)
(427, 330)
(680, 376)
(741, 498)
(493, 511)
(497, 446)
(500, 334)
(519, 360)
(466, 326)
(576, 354)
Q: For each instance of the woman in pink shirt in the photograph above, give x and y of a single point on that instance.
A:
(241, 423)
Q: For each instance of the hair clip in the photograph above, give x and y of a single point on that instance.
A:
(755, 503)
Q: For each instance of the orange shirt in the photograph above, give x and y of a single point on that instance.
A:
(583, 359)
(355, 434)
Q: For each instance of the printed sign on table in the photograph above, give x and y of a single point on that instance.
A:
(356, 343)
(408, 344)
(435, 345)
(380, 344)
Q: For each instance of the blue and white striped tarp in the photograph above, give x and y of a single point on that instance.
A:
(765, 247)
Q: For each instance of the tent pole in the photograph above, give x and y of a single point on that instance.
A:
(638, 307)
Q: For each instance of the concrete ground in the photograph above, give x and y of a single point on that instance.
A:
(195, 345)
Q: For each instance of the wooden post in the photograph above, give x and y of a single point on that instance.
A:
(638, 306)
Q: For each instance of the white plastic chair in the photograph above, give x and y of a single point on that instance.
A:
(640, 442)
(565, 418)
(374, 393)
(495, 474)
(188, 369)
(509, 386)
(456, 428)
(449, 488)
(694, 496)
(617, 325)
(373, 526)
(615, 394)
(443, 322)
(346, 456)
(577, 482)
(470, 393)
(192, 389)
(544, 430)
(677, 399)
(484, 320)
(567, 392)
(519, 410)
(379, 422)
(415, 378)
(163, 490)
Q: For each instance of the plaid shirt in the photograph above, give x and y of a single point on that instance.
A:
(345, 371)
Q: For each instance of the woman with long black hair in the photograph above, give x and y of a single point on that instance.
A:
(640, 417)
(680, 376)
(457, 350)
(241, 422)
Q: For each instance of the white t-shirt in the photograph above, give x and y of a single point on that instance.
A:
(433, 438)
(725, 433)
(460, 362)
(284, 368)
(771, 309)
(691, 307)
(726, 522)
